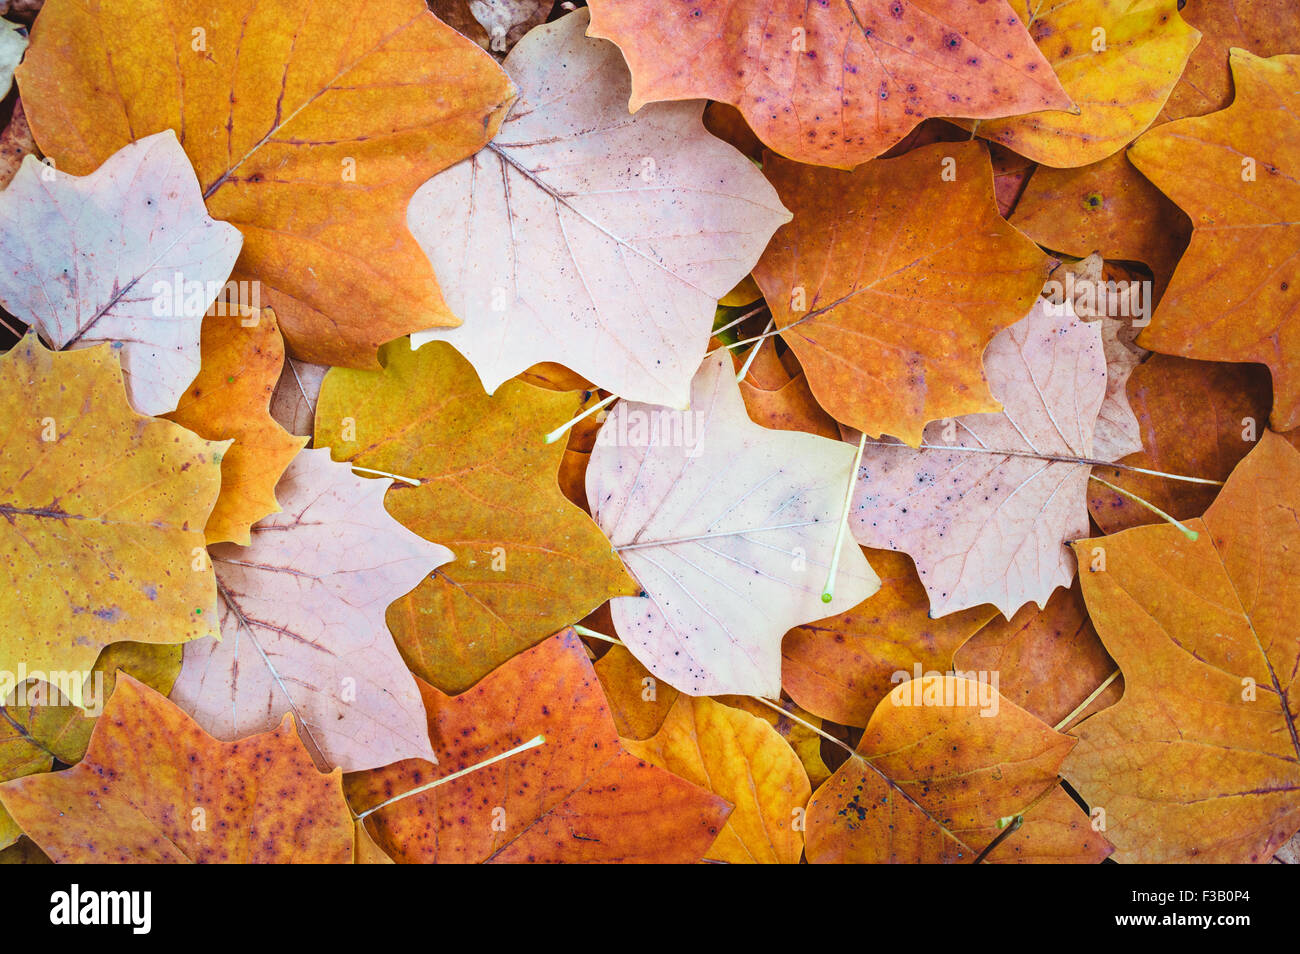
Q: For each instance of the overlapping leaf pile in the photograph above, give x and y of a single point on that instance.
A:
(731, 432)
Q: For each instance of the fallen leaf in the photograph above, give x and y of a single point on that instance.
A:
(1096, 298)
(13, 43)
(841, 667)
(579, 797)
(830, 84)
(16, 143)
(742, 759)
(583, 236)
(302, 623)
(1265, 27)
(638, 702)
(887, 305)
(790, 725)
(1197, 419)
(943, 761)
(1232, 172)
(1107, 207)
(125, 255)
(478, 477)
(1049, 660)
(38, 725)
(293, 403)
(242, 357)
(309, 127)
(989, 524)
(154, 787)
(1199, 761)
(104, 512)
(1117, 59)
(728, 527)
(781, 401)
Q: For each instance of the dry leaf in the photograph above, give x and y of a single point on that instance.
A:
(728, 527)
(104, 512)
(828, 83)
(1199, 761)
(527, 561)
(585, 236)
(887, 305)
(989, 524)
(302, 623)
(309, 125)
(125, 255)
(579, 797)
(154, 787)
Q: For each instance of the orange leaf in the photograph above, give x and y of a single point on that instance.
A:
(1107, 207)
(741, 758)
(1233, 296)
(154, 787)
(842, 667)
(888, 305)
(1197, 418)
(242, 358)
(1050, 660)
(833, 84)
(1265, 27)
(1200, 760)
(580, 797)
(934, 775)
(310, 126)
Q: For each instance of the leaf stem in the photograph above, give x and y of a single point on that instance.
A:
(1060, 726)
(563, 429)
(383, 473)
(1187, 531)
(828, 589)
(532, 743)
(1054, 458)
(749, 358)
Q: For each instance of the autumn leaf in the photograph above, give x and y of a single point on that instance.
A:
(729, 528)
(242, 357)
(887, 305)
(293, 402)
(942, 764)
(1233, 173)
(1050, 661)
(1200, 761)
(1117, 59)
(476, 475)
(495, 25)
(154, 787)
(125, 255)
(308, 136)
(986, 507)
(583, 236)
(580, 796)
(302, 623)
(742, 759)
(37, 725)
(104, 512)
(841, 667)
(778, 400)
(1265, 27)
(1197, 418)
(13, 43)
(833, 84)
(1107, 207)
(15, 145)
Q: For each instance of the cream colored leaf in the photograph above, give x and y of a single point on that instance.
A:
(110, 256)
(987, 504)
(588, 236)
(729, 528)
(302, 623)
